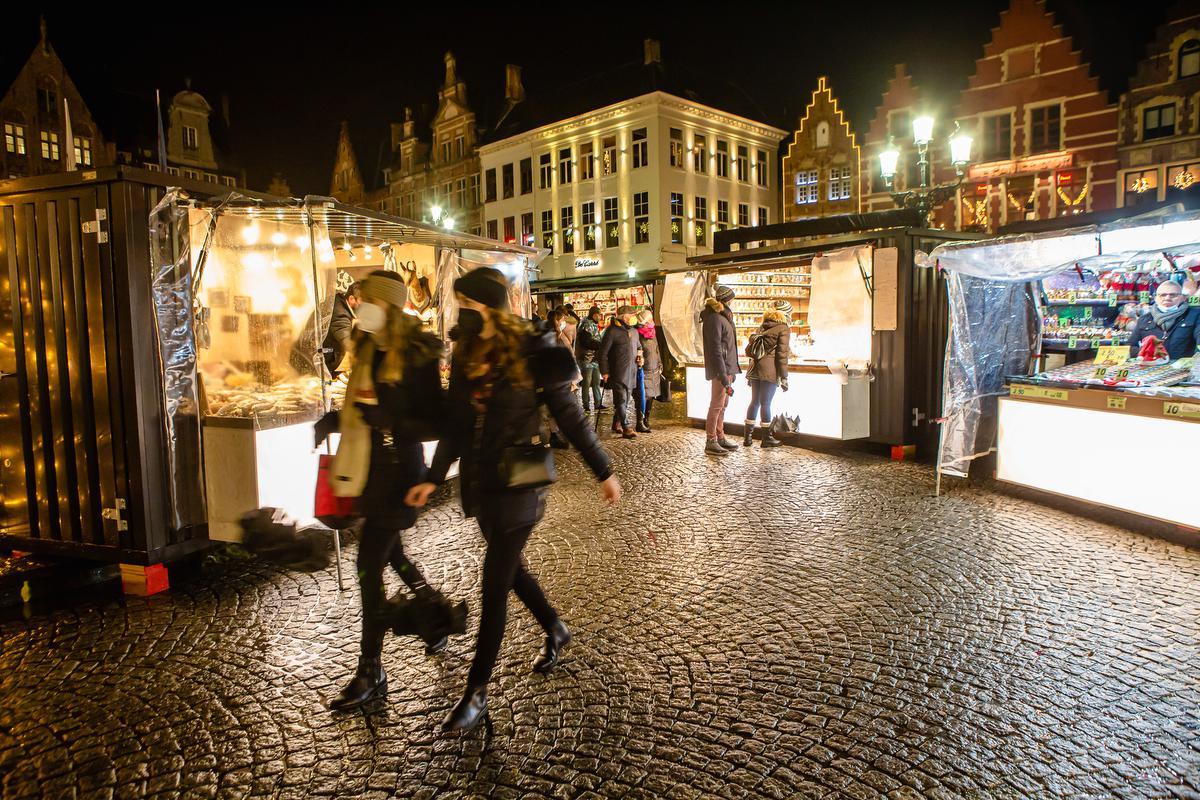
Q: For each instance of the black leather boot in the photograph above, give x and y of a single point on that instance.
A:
(469, 712)
(555, 641)
(641, 426)
(369, 681)
(646, 417)
(748, 434)
(770, 441)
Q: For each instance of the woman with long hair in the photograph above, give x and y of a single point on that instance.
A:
(768, 348)
(503, 370)
(393, 401)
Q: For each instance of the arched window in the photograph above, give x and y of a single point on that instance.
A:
(1189, 58)
(823, 135)
(47, 95)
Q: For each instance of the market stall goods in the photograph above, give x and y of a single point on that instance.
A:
(284, 403)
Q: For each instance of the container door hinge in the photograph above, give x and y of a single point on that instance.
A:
(93, 226)
(918, 418)
(115, 514)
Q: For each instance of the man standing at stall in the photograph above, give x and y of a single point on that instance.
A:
(1172, 320)
(340, 339)
(720, 366)
(619, 348)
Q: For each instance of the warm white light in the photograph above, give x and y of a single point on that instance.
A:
(960, 148)
(632, 272)
(278, 239)
(888, 159)
(448, 224)
(346, 245)
(367, 250)
(301, 241)
(250, 233)
(436, 211)
(923, 129)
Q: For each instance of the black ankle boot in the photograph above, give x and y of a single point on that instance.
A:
(770, 441)
(369, 681)
(641, 426)
(748, 436)
(548, 657)
(469, 712)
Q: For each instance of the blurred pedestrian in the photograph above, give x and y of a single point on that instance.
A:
(619, 349)
(587, 344)
(649, 371)
(768, 349)
(720, 366)
(564, 331)
(502, 370)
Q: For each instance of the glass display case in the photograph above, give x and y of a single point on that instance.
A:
(757, 292)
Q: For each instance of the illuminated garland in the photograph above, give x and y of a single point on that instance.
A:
(1184, 180)
(1062, 194)
(977, 210)
(1019, 206)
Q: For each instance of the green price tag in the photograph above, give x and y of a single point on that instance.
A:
(1070, 297)
(1100, 373)
(1072, 342)
(1087, 312)
(1096, 343)
(1144, 297)
(1064, 322)
(1122, 374)
(1112, 301)
(1194, 300)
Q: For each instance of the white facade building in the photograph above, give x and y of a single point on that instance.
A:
(630, 190)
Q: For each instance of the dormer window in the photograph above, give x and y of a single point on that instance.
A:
(190, 138)
(1158, 121)
(1189, 58)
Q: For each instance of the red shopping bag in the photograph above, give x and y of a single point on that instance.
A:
(333, 511)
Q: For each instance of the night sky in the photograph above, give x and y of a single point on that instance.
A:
(293, 76)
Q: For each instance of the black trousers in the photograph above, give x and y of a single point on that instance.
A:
(379, 545)
(621, 397)
(506, 520)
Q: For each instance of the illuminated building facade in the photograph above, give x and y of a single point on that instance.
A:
(822, 167)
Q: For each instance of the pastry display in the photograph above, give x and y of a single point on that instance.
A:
(238, 394)
(757, 292)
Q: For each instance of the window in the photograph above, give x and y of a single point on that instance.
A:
(47, 96)
(1045, 130)
(1180, 180)
(609, 144)
(1158, 121)
(510, 230)
(700, 154)
(743, 163)
(507, 182)
(526, 175)
(763, 218)
(527, 228)
(448, 193)
(743, 214)
(208, 176)
(565, 170)
(723, 212)
(445, 151)
(193, 174)
(760, 168)
(545, 171)
(839, 183)
(677, 148)
(587, 218)
(899, 124)
(612, 224)
(568, 228)
(641, 155)
(225, 179)
(996, 133)
(1189, 58)
(50, 145)
(701, 221)
(172, 170)
(460, 193)
(472, 190)
(548, 230)
(641, 218)
(489, 186)
(460, 146)
(587, 161)
(722, 159)
(492, 231)
(1140, 187)
(806, 187)
(822, 139)
(676, 218)
(14, 138)
(191, 138)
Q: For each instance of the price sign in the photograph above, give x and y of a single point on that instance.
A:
(1071, 297)
(1096, 343)
(1181, 410)
(1143, 297)
(1038, 391)
(1112, 300)
(1101, 373)
(1087, 312)
(1122, 374)
(1112, 354)
(1117, 403)
(1194, 300)
(1072, 342)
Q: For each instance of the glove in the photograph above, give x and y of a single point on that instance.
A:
(783, 384)
(729, 390)
(324, 427)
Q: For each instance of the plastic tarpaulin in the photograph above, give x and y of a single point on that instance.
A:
(682, 300)
(839, 314)
(453, 263)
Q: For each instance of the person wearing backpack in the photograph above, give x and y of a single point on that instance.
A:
(768, 350)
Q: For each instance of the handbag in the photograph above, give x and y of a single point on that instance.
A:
(333, 512)
(664, 390)
(784, 423)
(527, 466)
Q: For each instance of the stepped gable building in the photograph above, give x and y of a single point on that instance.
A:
(822, 168)
(1159, 149)
(892, 122)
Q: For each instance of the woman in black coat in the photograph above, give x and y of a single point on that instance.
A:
(393, 400)
(503, 370)
(768, 369)
(619, 349)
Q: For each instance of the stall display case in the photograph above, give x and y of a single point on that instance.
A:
(1082, 314)
(758, 291)
(607, 300)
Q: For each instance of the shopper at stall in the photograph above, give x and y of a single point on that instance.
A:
(649, 370)
(768, 350)
(619, 350)
(502, 370)
(587, 343)
(1172, 320)
(720, 366)
(338, 339)
(393, 402)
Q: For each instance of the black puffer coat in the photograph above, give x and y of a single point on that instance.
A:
(720, 341)
(618, 354)
(774, 367)
(512, 417)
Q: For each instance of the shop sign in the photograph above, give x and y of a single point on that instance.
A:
(587, 263)
(1021, 166)
(1181, 410)
(1040, 392)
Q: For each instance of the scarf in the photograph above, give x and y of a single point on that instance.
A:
(1167, 319)
(352, 461)
(647, 330)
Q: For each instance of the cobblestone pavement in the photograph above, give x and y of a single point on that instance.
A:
(774, 624)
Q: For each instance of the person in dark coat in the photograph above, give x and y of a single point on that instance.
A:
(339, 338)
(393, 401)
(1174, 322)
(650, 370)
(773, 340)
(502, 371)
(587, 344)
(619, 348)
(720, 366)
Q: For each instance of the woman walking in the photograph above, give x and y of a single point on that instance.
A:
(768, 350)
(503, 369)
(393, 400)
(649, 370)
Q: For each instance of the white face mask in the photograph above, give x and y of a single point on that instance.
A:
(371, 318)
(562, 323)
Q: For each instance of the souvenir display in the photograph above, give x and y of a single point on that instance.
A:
(757, 292)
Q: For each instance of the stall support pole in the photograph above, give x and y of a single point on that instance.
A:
(937, 492)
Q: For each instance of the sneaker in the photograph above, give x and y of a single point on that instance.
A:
(713, 448)
(728, 445)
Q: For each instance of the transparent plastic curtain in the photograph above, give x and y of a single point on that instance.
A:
(683, 298)
(173, 228)
(452, 264)
(448, 269)
(994, 330)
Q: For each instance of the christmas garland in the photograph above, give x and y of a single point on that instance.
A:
(1066, 199)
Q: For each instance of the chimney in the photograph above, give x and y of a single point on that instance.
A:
(652, 51)
(409, 125)
(514, 91)
(225, 110)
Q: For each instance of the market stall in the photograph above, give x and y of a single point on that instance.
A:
(1053, 428)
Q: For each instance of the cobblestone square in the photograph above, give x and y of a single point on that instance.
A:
(779, 623)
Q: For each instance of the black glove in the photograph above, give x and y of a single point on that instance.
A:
(374, 415)
(783, 384)
(325, 426)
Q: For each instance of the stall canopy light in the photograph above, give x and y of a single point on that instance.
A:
(250, 233)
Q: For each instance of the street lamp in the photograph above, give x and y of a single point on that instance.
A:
(925, 198)
(436, 213)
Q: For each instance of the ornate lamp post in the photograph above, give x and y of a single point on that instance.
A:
(926, 198)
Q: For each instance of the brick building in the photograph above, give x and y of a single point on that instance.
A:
(1160, 115)
(893, 120)
(822, 167)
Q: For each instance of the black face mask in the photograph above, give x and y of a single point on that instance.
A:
(470, 323)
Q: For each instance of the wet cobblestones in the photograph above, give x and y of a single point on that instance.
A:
(774, 624)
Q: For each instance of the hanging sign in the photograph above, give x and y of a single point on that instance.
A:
(1181, 410)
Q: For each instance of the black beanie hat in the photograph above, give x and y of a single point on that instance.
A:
(485, 285)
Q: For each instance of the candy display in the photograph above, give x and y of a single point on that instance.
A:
(239, 395)
(758, 292)
(1128, 374)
